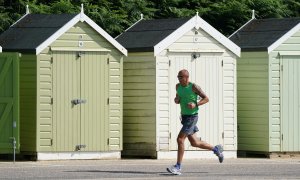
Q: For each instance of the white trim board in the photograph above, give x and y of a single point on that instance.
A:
(196, 22)
(80, 17)
(284, 38)
(77, 155)
(241, 27)
(79, 49)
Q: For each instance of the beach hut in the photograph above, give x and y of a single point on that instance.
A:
(158, 49)
(71, 74)
(268, 85)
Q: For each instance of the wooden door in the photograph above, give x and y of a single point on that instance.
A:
(207, 72)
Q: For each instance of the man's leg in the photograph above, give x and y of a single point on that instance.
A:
(177, 167)
(195, 142)
(180, 142)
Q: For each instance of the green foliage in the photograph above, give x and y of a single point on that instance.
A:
(114, 16)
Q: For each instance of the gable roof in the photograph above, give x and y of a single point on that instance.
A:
(145, 34)
(265, 34)
(156, 35)
(27, 34)
(34, 32)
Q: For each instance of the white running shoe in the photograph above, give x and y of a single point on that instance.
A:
(174, 170)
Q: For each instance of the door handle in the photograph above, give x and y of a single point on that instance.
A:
(78, 101)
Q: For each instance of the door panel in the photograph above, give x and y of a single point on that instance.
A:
(83, 77)
(94, 113)
(207, 72)
(290, 92)
(66, 87)
(9, 101)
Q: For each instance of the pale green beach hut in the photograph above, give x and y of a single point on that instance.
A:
(268, 86)
(71, 86)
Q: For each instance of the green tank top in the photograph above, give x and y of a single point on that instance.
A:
(187, 95)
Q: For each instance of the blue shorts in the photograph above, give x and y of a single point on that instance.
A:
(189, 122)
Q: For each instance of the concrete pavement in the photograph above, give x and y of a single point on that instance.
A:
(241, 168)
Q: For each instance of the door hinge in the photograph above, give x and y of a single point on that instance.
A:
(169, 62)
(108, 101)
(51, 101)
(107, 141)
(222, 63)
(107, 60)
(51, 60)
(51, 142)
(222, 135)
(170, 135)
(282, 137)
(281, 67)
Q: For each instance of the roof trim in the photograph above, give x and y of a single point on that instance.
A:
(283, 38)
(80, 17)
(142, 18)
(241, 27)
(196, 22)
(27, 12)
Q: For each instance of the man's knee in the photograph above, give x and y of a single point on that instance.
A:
(180, 140)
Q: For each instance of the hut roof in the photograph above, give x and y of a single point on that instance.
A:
(264, 34)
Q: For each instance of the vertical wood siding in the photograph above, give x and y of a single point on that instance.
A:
(139, 104)
(70, 39)
(252, 98)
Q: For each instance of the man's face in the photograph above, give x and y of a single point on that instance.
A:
(183, 78)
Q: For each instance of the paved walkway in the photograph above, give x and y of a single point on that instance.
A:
(242, 168)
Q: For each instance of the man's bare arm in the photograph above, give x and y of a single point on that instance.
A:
(204, 99)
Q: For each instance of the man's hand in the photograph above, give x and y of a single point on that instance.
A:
(176, 100)
(191, 105)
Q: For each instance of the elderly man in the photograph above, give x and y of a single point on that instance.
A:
(187, 96)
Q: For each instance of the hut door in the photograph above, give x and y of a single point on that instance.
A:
(94, 113)
(207, 72)
(290, 103)
(80, 89)
(9, 102)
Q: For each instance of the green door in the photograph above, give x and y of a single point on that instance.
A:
(9, 101)
(290, 93)
(80, 110)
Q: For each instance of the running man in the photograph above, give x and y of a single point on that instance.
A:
(186, 96)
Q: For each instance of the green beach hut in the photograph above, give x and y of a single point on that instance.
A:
(268, 84)
(71, 74)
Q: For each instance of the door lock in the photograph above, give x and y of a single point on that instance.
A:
(78, 101)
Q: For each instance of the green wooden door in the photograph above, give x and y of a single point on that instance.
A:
(290, 93)
(9, 101)
(94, 113)
(80, 91)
